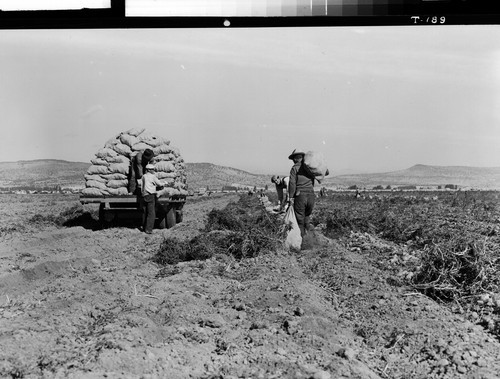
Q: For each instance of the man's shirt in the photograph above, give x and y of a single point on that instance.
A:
(149, 183)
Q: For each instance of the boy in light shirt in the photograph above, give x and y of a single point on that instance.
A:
(148, 191)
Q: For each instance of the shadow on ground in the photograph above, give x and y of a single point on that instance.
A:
(85, 220)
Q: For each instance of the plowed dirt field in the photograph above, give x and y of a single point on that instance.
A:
(81, 302)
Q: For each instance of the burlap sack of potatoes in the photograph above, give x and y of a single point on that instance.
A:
(135, 131)
(128, 140)
(162, 149)
(98, 169)
(96, 184)
(120, 168)
(117, 184)
(118, 191)
(106, 152)
(119, 159)
(164, 175)
(168, 191)
(169, 182)
(122, 149)
(99, 178)
(113, 141)
(153, 140)
(164, 157)
(99, 162)
(140, 146)
(176, 152)
(92, 192)
(114, 176)
(164, 166)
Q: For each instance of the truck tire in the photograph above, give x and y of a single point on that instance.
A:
(170, 219)
(105, 217)
(162, 223)
(161, 213)
(178, 216)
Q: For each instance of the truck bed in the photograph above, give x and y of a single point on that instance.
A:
(126, 207)
(128, 199)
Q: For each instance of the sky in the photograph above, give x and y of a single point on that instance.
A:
(371, 99)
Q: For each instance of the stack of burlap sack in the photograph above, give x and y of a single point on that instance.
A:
(108, 175)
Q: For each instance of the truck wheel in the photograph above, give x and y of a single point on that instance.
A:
(178, 216)
(162, 224)
(170, 218)
(105, 217)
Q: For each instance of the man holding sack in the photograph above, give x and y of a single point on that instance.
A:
(301, 191)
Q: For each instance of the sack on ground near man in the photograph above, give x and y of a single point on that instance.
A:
(293, 239)
(316, 163)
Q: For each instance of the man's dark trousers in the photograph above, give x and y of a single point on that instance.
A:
(149, 212)
(303, 207)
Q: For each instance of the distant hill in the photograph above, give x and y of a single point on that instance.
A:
(52, 172)
(425, 175)
(42, 173)
(208, 174)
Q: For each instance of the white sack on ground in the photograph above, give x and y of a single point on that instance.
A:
(293, 239)
(317, 164)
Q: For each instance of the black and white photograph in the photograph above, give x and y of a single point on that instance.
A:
(267, 202)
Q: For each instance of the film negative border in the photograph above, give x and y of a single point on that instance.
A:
(259, 13)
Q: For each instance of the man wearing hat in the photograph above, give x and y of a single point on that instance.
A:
(137, 167)
(149, 183)
(281, 189)
(301, 191)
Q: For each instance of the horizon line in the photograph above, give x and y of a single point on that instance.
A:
(353, 171)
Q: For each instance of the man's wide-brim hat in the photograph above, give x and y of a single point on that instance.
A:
(150, 166)
(296, 152)
(273, 178)
(147, 154)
